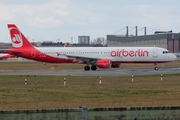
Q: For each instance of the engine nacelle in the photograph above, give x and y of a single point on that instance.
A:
(115, 65)
(104, 63)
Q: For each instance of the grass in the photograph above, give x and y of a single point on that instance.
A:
(50, 92)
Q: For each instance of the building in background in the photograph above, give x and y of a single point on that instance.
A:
(164, 39)
(84, 40)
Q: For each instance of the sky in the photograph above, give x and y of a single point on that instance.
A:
(65, 20)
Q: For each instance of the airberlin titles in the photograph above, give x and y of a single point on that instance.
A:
(126, 53)
(131, 53)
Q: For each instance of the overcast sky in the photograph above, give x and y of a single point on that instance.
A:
(41, 20)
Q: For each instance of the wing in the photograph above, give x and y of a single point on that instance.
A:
(81, 58)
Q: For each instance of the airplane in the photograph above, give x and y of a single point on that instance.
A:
(5, 56)
(93, 57)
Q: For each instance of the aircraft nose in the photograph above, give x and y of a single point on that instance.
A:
(174, 57)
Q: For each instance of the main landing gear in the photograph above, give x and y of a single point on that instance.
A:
(87, 68)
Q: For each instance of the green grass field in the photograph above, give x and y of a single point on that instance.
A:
(50, 92)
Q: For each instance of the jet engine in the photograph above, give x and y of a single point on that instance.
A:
(104, 63)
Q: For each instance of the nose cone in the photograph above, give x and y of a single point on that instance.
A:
(173, 57)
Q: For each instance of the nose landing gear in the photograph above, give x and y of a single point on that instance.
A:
(156, 68)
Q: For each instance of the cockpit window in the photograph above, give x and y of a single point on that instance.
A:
(166, 52)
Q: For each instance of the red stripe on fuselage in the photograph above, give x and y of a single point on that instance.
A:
(39, 56)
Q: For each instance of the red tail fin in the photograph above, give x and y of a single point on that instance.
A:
(17, 38)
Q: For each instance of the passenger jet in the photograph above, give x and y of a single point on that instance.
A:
(93, 57)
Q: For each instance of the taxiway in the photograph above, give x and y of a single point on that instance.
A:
(99, 72)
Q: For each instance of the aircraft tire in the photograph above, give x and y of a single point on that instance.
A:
(93, 67)
(86, 68)
(156, 68)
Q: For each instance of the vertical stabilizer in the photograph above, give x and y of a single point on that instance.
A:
(17, 38)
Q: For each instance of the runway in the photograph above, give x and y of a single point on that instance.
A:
(99, 72)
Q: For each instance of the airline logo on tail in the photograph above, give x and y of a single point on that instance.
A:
(16, 37)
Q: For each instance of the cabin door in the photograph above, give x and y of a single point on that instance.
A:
(155, 52)
(78, 52)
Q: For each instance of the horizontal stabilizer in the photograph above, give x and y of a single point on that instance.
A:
(14, 52)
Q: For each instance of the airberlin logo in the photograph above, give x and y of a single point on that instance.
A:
(131, 53)
(16, 37)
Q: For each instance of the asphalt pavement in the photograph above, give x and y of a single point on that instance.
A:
(98, 72)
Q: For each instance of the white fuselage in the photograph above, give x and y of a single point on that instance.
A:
(102, 57)
(115, 54)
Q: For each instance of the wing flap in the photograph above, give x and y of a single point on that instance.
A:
(80, 57)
